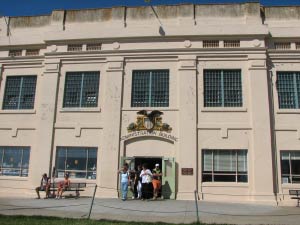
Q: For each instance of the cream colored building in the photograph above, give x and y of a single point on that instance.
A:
(225, 77)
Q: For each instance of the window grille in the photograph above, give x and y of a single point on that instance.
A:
(150, 88)
(231, 43)
(81, 89)
(282, 45)
(93, 47)
(14, 161)
(210, 43)
(223, 88)
(31, 52)
(224, 166)
(75, 48)
(15, 53)
(78, 162)
(290, 166)
(19, 92)
(297, 45)
(288, 88)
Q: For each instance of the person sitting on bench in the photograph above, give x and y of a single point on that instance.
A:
(63, 186)
(44, 186)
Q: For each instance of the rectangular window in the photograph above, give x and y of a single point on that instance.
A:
(14, 161)
(290, 166)
(32, 52)
(19, 92)
(81, 89)
(223, 88)
(224, 166)
(288, 88)
(75, 48)
(210, 43)
(231, 43)
(93, 47)
(150, 88)
(78, 162)
(282, 45)
(15, 52)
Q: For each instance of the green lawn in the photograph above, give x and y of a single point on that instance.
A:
(40, 220)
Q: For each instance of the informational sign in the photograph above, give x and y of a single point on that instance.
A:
(146, 133)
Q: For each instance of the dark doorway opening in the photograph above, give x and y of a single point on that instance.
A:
(149, 161)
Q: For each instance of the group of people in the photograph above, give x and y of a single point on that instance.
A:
(143, 182)
(45, 185)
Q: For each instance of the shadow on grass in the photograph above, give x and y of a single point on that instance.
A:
(38, 220)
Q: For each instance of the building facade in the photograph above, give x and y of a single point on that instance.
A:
(210, 92)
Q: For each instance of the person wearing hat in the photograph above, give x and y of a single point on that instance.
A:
(156, 182)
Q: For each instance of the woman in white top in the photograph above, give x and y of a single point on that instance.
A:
(124, 173)
(146, 176)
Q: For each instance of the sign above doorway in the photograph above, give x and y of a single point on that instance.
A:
(149, 121)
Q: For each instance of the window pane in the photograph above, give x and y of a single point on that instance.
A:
(224, 161)
(1, 156)
(206, 178)
(25, 160)
(160, 88)
(27, 94)
(212, 88)
(76, 159)
(90, 89)
(92, 160)
(207, 161)
(242, 161)
(72, 90)
(224, 178)
(232, 88)
(60, 159)
(295, 163)
(286, 90)
(242, 178)
(73, 174)
(140, 88)
(285, 163)
(12, 92)
(12, 158)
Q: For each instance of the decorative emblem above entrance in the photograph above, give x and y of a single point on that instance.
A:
(149, 121)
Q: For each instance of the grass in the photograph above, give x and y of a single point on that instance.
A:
(41, 220)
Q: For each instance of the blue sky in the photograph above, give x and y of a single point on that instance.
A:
(40, 7)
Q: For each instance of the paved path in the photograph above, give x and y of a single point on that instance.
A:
(172, 211)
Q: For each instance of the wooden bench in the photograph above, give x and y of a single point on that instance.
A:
(295, 193)
(74, 187)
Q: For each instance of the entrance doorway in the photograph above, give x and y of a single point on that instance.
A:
(149, 161)
(166, 165)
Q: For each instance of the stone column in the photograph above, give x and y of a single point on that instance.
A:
(187, 148)
(46, 102)
(260, 155)
(111, 109)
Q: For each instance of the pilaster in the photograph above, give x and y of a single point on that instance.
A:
(187, 152)
(109, 152)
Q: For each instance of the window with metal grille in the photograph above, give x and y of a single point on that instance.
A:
(231, 43)
(223, 88)
(224, 165)
(81, 89)
(15, 52)
(14, 161)
(93, 47)
(288, 88)
(210, 43)
(290, 166)
(19, 92)
(282, 45)
(78, 162)
(75, 48)
(150, 88)
(30, 52)
(297, 45)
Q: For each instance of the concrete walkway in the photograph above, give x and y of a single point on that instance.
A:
(171, 211)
